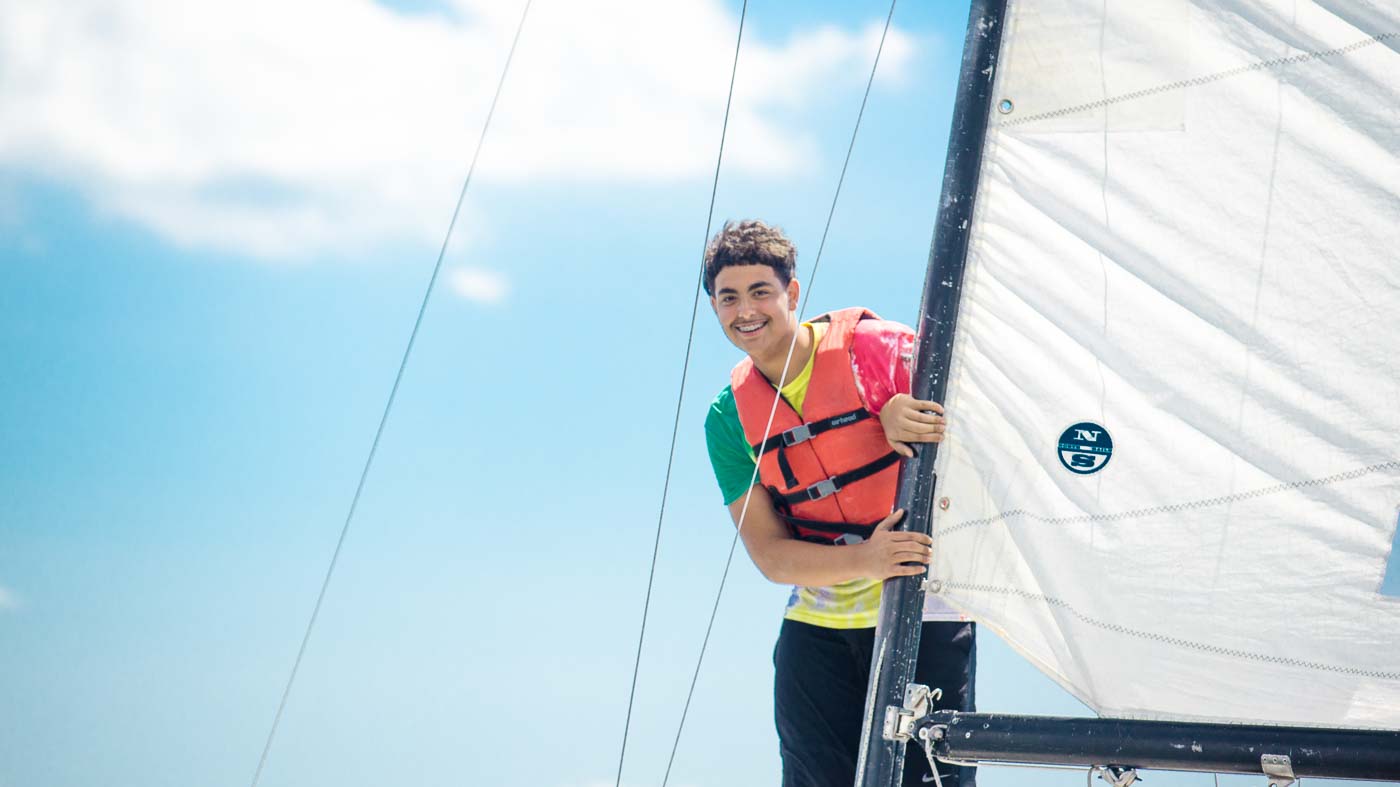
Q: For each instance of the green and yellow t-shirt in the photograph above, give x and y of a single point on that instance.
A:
(847, 605)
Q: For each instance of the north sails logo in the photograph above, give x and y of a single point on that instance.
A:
(1085, 448)
(843, 420)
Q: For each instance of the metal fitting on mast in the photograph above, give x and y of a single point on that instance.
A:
(900, 721)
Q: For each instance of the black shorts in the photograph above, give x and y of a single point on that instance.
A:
(819, 699)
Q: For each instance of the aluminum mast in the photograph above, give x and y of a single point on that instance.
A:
(901, 606)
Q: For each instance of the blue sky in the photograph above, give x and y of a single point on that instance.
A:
(215, 229)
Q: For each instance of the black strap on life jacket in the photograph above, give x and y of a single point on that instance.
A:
(804, 432)
(817, 531)
(834, 484)
(801, 434)
(833, 528)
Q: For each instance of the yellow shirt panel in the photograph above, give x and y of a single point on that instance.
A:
(847, 605)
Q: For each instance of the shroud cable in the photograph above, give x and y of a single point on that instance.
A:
(680, 398)
(767, 430)
(388, 406)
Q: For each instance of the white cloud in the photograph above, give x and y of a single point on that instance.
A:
(285, 129)
(479, 284)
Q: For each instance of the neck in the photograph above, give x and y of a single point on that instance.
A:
(772, 366)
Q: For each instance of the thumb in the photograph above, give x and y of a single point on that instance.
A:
(890, 521)
(901, 448)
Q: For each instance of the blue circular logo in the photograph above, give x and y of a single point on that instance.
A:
(1085, 448)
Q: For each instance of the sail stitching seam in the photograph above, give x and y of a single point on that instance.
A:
(1203, 80)
(1172, 507)
(1170, 640)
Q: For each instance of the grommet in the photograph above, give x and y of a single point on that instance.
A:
(944, 502)
(1005, 106)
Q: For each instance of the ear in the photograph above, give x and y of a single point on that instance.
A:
(714, 305)
(793, 291)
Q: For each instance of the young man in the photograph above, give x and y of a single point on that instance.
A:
(817, 514)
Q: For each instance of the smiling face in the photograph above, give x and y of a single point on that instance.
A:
(757, 311)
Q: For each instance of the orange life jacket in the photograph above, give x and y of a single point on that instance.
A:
(832, 476)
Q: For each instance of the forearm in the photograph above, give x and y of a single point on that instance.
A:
(785, 559)
(789, 561)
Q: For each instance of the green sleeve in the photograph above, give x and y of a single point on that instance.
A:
(730, 454)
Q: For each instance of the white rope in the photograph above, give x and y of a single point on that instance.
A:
(388, 407)
(777, 396)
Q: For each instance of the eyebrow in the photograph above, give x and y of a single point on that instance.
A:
(752, 287)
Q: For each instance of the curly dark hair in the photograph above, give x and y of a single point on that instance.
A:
(749, 242)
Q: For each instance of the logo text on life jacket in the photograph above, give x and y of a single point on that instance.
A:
(1085, 448)
(843, 420)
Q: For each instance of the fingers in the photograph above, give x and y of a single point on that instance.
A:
(906, 535)
(912, 423)
(919, 416)
(889, 522)
(905, 436)
(897, 553)
(919, 437)
(908, 420)
(893, 536)
(907, 567)
(921, 404)
(913, 554)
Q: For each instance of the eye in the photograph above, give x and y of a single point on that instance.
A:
(726, 300)
(762, 292)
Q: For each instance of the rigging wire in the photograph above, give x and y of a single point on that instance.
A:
(389, 404)
(802, 308)
(680, 398)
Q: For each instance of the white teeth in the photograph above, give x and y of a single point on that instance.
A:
(748, 328)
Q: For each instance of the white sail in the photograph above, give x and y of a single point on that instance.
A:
(1187, 241)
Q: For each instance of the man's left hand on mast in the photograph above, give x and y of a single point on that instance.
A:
(908, 420)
